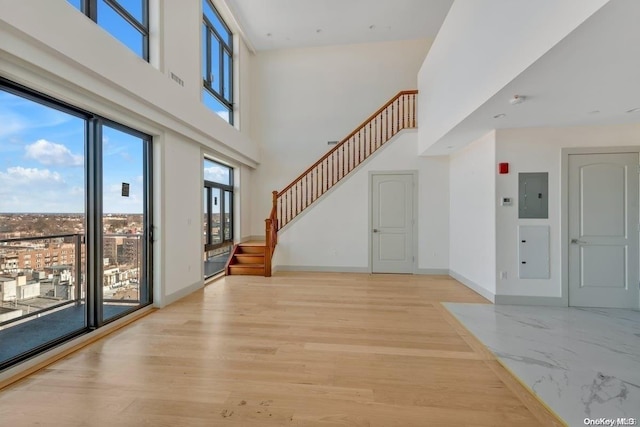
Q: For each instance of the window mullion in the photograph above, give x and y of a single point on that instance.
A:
(144, 30)
(221, 70)
(209, 214)
(90, 8)
(208, 41)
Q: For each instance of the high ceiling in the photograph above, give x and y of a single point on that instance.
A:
(590, 78)
(280, 24)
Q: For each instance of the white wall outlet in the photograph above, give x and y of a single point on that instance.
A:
(503, 275)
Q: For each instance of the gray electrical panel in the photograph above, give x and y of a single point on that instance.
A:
(533, 195)
(533, 252)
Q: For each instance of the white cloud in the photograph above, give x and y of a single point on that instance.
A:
(50, 153)
(35, 190)
(20, 175)
(216, 174)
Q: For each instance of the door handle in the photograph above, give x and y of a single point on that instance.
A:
(375, 230)
(578, 242)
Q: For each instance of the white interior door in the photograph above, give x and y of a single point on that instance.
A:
(603, 230)
(392, 223)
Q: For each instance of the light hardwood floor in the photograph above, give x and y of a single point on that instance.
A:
(296, 349)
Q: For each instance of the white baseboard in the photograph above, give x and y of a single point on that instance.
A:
(530, 300)
(473, 286)
(321, 269)
(168, 299)
(433, 271)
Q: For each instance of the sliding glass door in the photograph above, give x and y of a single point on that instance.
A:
(74, 222)
(125, 220)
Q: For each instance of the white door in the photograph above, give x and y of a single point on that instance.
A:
(603, 230)
(392, 223)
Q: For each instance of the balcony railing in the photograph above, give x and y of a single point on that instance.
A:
(35, 280)
(30, 286)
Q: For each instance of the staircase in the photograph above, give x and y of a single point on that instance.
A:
(247, 259)
(397, 114)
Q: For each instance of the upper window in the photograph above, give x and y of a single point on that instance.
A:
(218, 173)
(217, 62)
(126, 20)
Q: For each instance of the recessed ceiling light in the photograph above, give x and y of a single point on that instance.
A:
(499, 116)
(449, 147)
(634, 110)
(594, 112)
(319, 30)
(517, 99)
(371, 27)
(269, 34)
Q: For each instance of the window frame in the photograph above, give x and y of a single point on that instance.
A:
(208, 185)
(213, 36)
(90, 9)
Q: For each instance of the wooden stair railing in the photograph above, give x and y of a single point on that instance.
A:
(397, 114)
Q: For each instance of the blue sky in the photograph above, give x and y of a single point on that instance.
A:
(42, 161)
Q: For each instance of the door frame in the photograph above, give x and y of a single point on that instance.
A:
(414, 227)
(564, 214)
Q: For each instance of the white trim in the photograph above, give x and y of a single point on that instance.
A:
(473, 286)
(530, 300)
(432, 271)
(229, 14)
(321, 269)
(181, 293)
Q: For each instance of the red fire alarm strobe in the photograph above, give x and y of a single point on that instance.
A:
(503, 168)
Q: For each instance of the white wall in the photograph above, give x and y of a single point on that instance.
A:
(49, 46)
(539, 150)
(182, 198)
(302, 98)
(472, 220)
(482, 46)
(334, 233)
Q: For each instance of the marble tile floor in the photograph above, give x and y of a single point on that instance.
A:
(582, 362)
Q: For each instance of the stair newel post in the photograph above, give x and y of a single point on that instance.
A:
(268, 251)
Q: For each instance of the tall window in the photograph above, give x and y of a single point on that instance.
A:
(126, 20)
(217, 62)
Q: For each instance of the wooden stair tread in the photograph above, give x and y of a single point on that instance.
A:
(250, 265)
